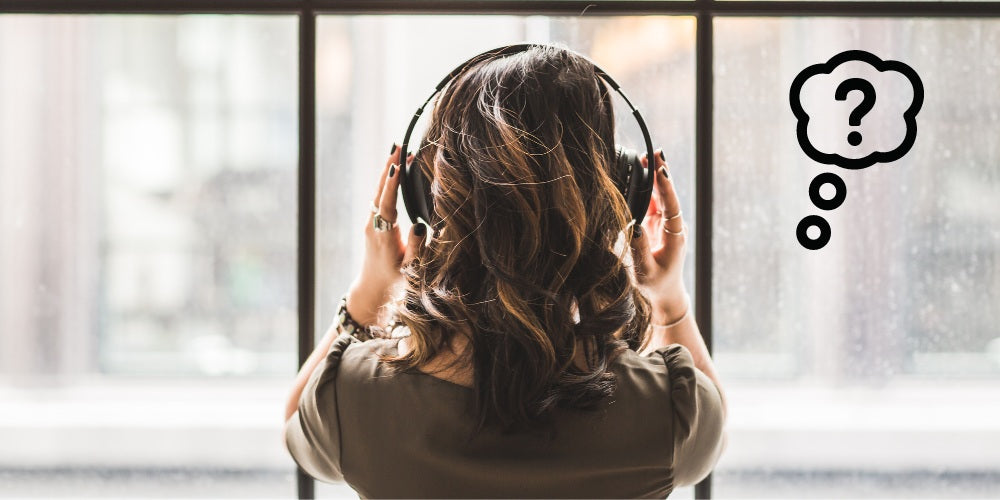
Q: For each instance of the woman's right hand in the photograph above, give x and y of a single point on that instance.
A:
(659, 251)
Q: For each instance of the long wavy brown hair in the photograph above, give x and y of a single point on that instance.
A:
(529, 233)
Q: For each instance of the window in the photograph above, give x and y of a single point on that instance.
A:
(147, 248)
(881, 348)
(149, 209)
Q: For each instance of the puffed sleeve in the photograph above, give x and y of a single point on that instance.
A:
(698, 420)
(312, 434)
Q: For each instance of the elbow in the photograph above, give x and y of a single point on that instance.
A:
(695, 469)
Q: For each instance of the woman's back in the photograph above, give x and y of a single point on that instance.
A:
(407, 433)
(532, 268)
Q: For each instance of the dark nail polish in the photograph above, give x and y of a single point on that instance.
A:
(393, 150)
(662, 157)
(420, 229)
(666, 175)
(392, 169)
(637, 231)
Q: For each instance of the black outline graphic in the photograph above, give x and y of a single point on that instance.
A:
(861, 109)
(909, 116)
(833, 180)
(824, 232)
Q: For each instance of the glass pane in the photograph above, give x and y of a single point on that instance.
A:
(372, 74)
(870, 367)
(147, 248)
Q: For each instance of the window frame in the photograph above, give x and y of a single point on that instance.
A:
(704, 12)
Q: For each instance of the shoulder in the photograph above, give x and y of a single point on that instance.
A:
(348, 362)
(696, 418)
(353, 351)
(349, 349)
(313, 435)
(657, 372)
(359, 363)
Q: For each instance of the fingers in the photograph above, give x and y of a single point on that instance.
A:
(387, 201)
(652, 208)
(390, 190)
(393, 159)
(673, 232)
(666, 221)
(663, 191)
(651, 222)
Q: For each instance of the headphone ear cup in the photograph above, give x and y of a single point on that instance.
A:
(416, 189)
(635, 180)
(620, 171)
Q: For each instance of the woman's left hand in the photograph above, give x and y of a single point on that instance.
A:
(385, 253)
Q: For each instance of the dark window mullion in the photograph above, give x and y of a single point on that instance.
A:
(307, 205)
(703, 189)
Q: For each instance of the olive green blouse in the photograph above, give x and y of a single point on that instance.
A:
(394, 433)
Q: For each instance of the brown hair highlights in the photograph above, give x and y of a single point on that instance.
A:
(526, 219)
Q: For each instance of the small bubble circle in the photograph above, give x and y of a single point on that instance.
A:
(827, 179)
(802, 232)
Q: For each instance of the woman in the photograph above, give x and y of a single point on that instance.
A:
(531, 353)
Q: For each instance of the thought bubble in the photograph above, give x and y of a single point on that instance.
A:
(855, 102)
(859, 105)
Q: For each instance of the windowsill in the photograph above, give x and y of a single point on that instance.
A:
(905, 425)
(146, 423)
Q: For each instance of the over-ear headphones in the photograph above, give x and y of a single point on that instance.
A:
(635, 183)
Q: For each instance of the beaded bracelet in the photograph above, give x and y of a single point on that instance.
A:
(349, 325)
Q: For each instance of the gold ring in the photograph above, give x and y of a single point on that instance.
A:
(672, 217)
(675, 233)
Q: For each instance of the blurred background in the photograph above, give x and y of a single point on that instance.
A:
(148, 220)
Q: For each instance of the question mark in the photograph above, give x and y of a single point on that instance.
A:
(863, 107)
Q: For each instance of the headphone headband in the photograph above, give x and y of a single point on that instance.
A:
(641, 185)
